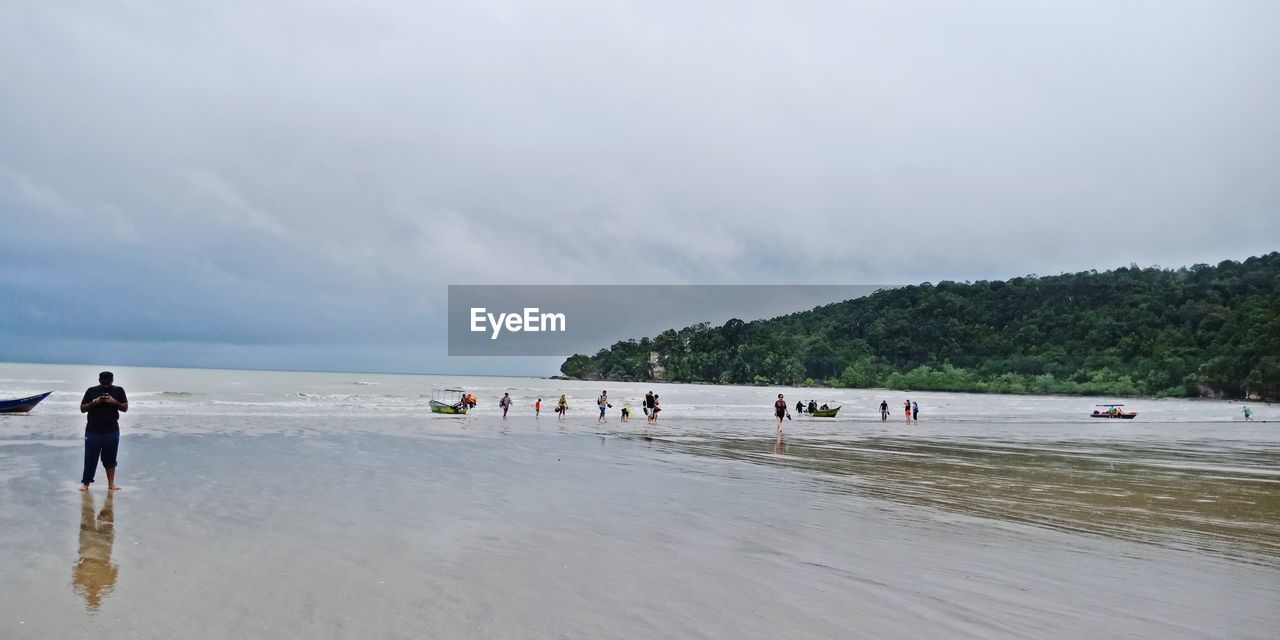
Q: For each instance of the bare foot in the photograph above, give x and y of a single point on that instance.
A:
(84, 487)
(114, 487)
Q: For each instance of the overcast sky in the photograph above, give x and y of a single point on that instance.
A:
(293, 184)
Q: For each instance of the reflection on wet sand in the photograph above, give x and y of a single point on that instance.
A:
(1223, 501)
(94, 574)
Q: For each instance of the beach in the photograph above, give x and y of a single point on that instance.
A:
(304, 505)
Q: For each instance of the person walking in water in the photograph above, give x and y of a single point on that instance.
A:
(1248, 414)
(653, 413)
(103, 404)
(537, 408)
(884, 410)
(626, 413)
(602, 403)
(648, 407)
(505, 403)
(907, 406)
(915, 412)
(799, 407)
(562, 407)
(779, 412)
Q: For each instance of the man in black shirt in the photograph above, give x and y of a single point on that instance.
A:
(104, 404)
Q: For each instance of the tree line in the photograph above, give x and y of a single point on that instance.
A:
(1195, 331)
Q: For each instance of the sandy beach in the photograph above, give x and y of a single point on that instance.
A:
(282, 523)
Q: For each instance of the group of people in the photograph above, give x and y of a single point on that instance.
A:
(911, 409)
(468, 401)
(813, 407)
(651, 407)
(780, 410)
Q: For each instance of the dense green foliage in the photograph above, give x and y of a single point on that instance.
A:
(1203, 330)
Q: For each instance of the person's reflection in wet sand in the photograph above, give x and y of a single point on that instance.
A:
(778, 445)
(94, 575)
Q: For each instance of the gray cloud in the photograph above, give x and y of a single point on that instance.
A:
(297, 176)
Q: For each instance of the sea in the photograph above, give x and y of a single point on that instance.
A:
(335, 505)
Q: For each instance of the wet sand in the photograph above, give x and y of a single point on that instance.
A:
(543, 531)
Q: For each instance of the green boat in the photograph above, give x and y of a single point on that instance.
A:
(825, 413)
(449, 402)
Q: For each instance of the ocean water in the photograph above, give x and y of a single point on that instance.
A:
(219, 400)
(287, 504)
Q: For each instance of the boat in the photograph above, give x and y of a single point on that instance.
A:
(1113, 411)
(449, 402)
(824, 413)
(22, 405)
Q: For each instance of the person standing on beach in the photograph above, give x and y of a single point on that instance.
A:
(537, 408)
(780, 411)
(603, 403)
(649, 400)
(915, 412)
(884, 410)
(104, 404)
(505, 403)
(907, 406)
(562, 407)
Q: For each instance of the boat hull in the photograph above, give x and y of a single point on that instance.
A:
(1116, 416)
(447, 409)
(824, 413)
(22, 405)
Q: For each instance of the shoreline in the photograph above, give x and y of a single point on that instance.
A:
(967, 392)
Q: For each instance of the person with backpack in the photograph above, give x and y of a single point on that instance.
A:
(603, 403)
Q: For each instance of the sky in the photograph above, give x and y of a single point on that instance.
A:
(293, 185)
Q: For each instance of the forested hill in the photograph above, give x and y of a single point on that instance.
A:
(1203, 330)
